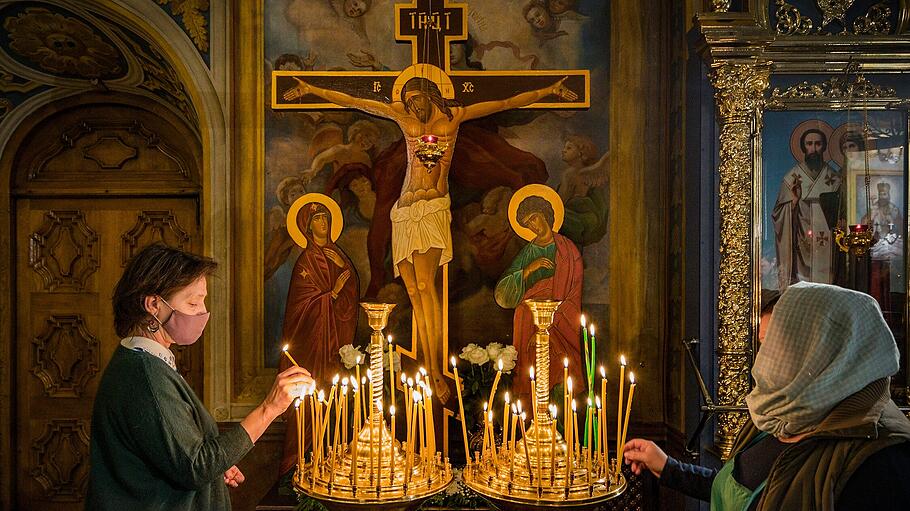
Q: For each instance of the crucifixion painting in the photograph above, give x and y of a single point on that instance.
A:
(429, 103)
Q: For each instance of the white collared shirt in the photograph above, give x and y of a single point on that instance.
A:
(151, 347)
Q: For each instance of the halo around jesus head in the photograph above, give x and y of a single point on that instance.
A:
(310, 198)
(535, 190)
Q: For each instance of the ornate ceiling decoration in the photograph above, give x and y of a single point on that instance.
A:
(45, 45)
(59, 44)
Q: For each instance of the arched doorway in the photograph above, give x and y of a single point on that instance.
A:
(94, 178)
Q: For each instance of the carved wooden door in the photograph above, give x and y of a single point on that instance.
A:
(70, 254)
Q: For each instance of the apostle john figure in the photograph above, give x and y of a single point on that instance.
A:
(549, 267)
(321, 312)
(421, 218)
(802, 231)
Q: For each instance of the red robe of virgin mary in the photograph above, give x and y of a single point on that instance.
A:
(564, 285)
(315, 324)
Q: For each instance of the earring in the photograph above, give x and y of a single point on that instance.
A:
(152, 326)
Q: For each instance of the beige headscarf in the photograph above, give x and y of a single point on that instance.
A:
(824, 343)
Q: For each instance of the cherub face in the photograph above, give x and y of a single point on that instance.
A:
(355, 8)
(537, 17)
(560, 6)
(456, 54)
(363, 141)
(570, 152)
(294, 192)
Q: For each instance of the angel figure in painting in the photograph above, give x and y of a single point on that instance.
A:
(582, 189)
(548, 267)
(421, 218)
(362, 138)
(322, 306)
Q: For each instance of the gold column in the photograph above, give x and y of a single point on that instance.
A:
(543, 311)
(739, 96)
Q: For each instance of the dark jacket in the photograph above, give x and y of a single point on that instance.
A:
(154, 446)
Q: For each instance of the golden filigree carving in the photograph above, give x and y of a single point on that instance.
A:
(876, 21)
(720, 5)
(837, 87)
(834, 10)
(790, 21)
(739, 95)
(191, 12)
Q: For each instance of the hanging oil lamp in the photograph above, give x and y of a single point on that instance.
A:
(429, 151)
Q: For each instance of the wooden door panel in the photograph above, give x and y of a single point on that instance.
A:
(71, 253)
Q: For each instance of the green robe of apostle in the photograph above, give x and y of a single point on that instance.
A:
(512, 286)
(154, 445)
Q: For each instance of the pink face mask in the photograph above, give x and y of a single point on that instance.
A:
(184, 329)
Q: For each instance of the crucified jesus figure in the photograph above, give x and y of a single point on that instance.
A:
(421, 218)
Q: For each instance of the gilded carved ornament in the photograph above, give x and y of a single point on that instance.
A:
(720, 5)
(191, 13)
(790, 21)
(739, 95)
(837, 87)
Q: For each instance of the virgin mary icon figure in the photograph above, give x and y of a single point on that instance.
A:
(321, 312)
(548, 267)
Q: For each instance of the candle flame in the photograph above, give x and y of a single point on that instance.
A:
(507, 397)
(427, 391)
(285, 347)
(423, 372)
(404, 378)
(344, 381)
(416, 396)
(321, 395)
(500, 364)
(518, 403)
(297, 403)
(390, 338)
(370, 374)
(392, 411)
(574, 407)
(583, 320)
(335, 380)
(603, 372)
(622, 360)
(632, 377)
(363, 380)
(523, 415)
(553, 411)
(569, 383)
(484, 406)
(410, 382)
(490, 415)
(592, 329)
(344, 390)
(565, 362)
(532, 372)
(597, 401)
(358, 360)
(514, 409)
(453, 361)
(589, 403)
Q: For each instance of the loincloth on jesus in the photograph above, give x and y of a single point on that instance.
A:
(423, 225)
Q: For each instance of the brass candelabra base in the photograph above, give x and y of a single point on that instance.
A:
(538, 480)
(381, 479)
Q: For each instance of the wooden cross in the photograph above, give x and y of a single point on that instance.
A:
(430, 26)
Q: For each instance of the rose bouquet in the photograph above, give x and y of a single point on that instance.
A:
(478, 377)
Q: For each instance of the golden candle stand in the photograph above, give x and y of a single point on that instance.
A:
(374, 470)
(533, 472)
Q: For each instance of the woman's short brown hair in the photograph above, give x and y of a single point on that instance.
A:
(157, 270)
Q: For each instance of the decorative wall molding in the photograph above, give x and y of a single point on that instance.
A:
(834, 88)
(64, 252)
(65, 356)
(151, 227)
(60, 459)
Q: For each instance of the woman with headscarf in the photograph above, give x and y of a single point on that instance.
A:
(321, 312)
(824, 432)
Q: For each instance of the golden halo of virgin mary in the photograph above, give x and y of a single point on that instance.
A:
(536, 190)
(334, 210)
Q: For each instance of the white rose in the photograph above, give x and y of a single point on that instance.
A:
(509, 356)
(474, 354)
(349, 355)
(494, 349)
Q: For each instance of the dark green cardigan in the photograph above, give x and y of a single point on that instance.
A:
(154, 445)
